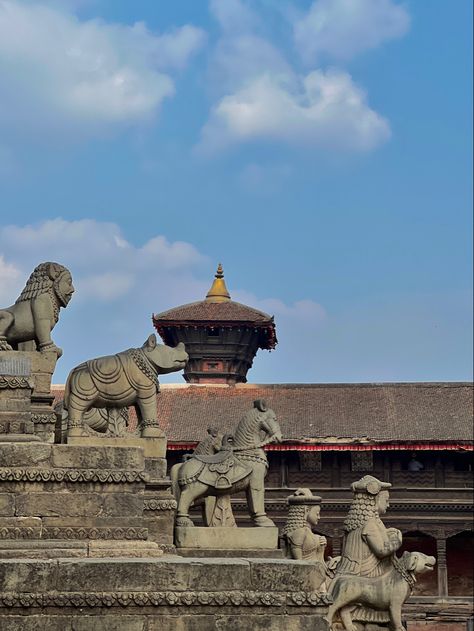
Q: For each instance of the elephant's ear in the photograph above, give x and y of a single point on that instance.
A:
(151, 342)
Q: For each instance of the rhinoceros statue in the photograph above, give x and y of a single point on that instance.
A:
(121, 380)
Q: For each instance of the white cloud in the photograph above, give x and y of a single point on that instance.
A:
(341, 29)
(57, 71)
(99, 253)
(327, 111)
(10, 280)
(261, 96)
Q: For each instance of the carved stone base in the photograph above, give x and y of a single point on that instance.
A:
(216, 539)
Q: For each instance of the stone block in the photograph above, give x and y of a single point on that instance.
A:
(34, 549)
(123, 622)
(152, 447)
(269, 575)
(155, 467)
(59, 504)
(25, 575)
(36, 622)
(165, 573)
(270, 623)
(227, 538)
(20, 528)
(196, 622)
(122, 504)
(98, 457)
(25, 454)
(136, 549)
(7, 505)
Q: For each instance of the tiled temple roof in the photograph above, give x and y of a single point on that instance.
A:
(330, 413)
(203, 310)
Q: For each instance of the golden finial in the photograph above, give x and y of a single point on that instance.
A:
(218, 292)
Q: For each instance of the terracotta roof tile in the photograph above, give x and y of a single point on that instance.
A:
(227, 311)
(423, 412)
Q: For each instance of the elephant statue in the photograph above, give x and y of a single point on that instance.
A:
(240, 464)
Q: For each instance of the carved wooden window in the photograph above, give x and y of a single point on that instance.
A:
(310, 461)
(212, 366)
(362, 461)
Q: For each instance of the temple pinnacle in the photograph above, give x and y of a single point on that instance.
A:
(218, 291)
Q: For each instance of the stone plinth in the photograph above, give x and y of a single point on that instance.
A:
(25, 394)
(217, 540)
(152, 447)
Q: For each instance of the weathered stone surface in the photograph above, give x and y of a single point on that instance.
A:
(227, 538)
(7, 505)
(109, 623)
(155, 467)
(120, 504)
(184, 623)
(269, 623)
(296, 576)
(35, 549)
(25, 454)
(152, 447)
(33, 623)
(60, 504)
(136, 549)
(27, 576)
(20, 528)
(102, 457)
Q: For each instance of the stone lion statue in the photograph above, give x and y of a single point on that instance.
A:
(33, 316)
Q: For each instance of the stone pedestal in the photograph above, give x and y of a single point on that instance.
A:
(25, 394)
(219, 541)
(16, 385)
(74, 493)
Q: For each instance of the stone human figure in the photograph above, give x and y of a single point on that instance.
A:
(303, 515)
(367, 553)
(368, 545)
(31, 319)
(300, 541)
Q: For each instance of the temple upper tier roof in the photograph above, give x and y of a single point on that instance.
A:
(218, 309)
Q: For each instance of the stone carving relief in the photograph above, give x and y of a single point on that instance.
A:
(118, 381)
(240, 464)
(371, 583)
(27, 324)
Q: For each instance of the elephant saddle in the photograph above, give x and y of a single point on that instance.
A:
(221, 470)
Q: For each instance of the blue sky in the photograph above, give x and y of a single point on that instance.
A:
(321, 150)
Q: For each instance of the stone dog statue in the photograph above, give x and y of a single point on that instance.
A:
(387, 592)
(33, 316)
(118, 381)
(241, 464)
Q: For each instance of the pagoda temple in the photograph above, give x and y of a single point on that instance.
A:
(221, 336)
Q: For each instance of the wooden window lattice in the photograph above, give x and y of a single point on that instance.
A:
(310, 461)
(362, 461)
